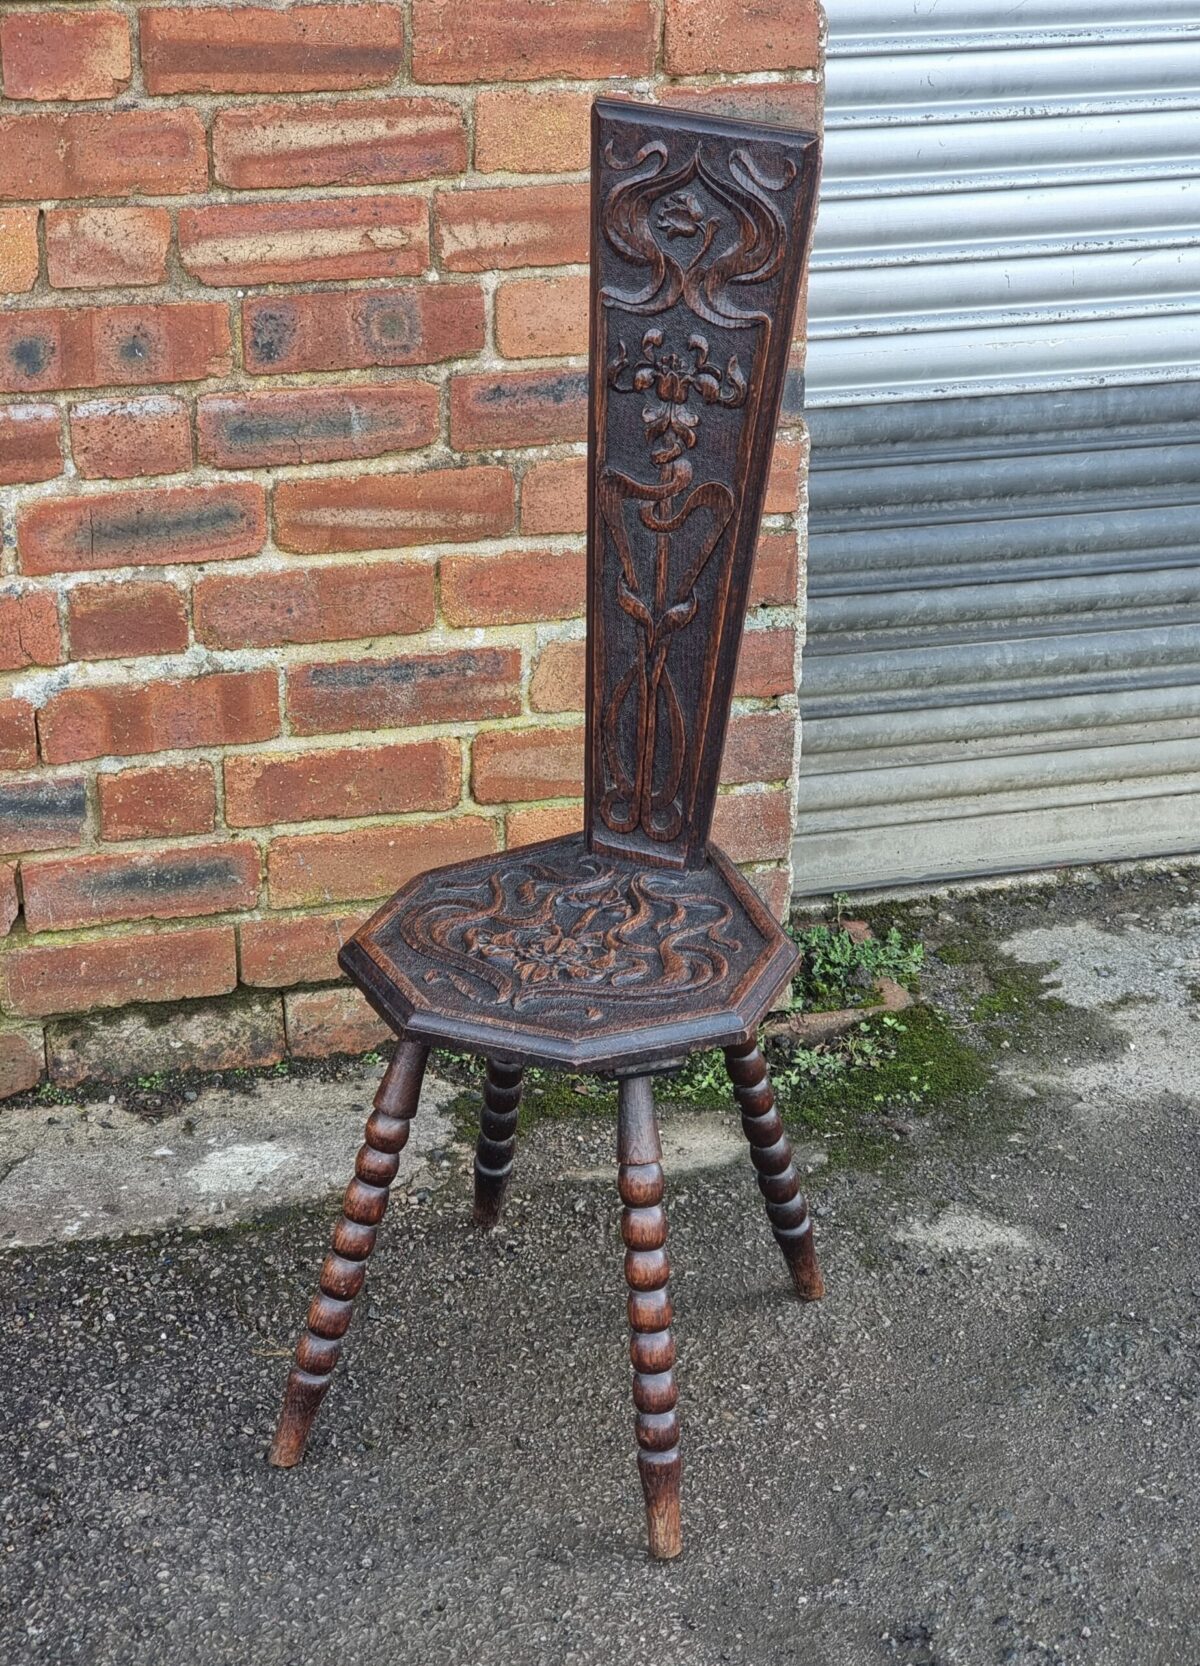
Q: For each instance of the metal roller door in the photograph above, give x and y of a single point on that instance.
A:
(1003, 387)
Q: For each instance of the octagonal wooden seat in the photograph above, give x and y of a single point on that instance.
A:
(623, 948)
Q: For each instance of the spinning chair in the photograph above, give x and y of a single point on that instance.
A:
(624, 948)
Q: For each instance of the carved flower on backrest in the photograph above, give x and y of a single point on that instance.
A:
(681, 214)
(673, 378)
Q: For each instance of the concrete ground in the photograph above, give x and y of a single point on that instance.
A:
(982, 1448)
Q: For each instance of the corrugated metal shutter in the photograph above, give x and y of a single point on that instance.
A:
(1003, 664)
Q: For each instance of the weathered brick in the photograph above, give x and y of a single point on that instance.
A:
(69, 55)
(542, 318)
(167, 884)
(753, 827)
(314, 425)
(18, 250)
(364, 862)
(338, 783)
(42, 812)
(46, 348)
(314, 604)
(554, 496)
(112, 621)
(300, 948)
(388, 511)
(792, 103)
(142, 528)
(97, 248)
(766, 664)
(514, 587)
(511, 225)
(109, 971)
(774, 886)
(29, 633)
(348, 142)
(254, 49)
(111, 153)
(164, 801)
(545, 821)
(245, 1033)
(531, 40)
(18, 737)
(321, 1022)
(297, 242)
(10, 902)
(361, 329)
(759, 746)
(30, 442)
(229, 707)
(784, 478)
(518, 407)
(709, 37)
(521, 765)
(22, 1059)
(344, 695)
(522, 131)
(118, 439)
(775, 577)
(558, 677)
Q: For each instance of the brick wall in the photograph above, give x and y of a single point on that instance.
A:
(292, 404)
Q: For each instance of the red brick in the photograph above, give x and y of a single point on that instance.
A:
(245, 1033)
(710, 37)
(522, 131)
(558, 678)
(165, 801)
(253, 49)
(111, 153)
(753, 827)
(510, 765)
(18, 249)
(314, 604)
(511, 225)
(544, 821)
(513, 588)
(759, 746)
(108, 971)
(322, 1022)
(22, 1060)
(766, 664)
(783, 481)
(30, 443)
(531, 40)
(792, 103)
(42, 812)
(46, 348)
(399, 693)
(65, 54)
(775, 579)
(361, 329)
(142, 528)
(226, 708)
(94, 248)
(302, 948)
(340, 783)
(297, 242)
(10, 902)
(112, 621)
(349, 142)
(388, 511)
(542, 318)
(315, 424)
(29, 633)
(321, 868)
(118, 439)
(18, 737)
(168, 884)
(518, 407)
(554, 496)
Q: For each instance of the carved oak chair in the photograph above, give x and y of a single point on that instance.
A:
(622, 949)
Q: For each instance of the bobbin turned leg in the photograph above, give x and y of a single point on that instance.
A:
(345, 1267)
(497, 1140)
(651, 1346)
(771, 1154)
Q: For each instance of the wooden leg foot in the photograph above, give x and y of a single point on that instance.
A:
(771, 1154)
(497, 1142)
(651, 1345)
(345, 1268)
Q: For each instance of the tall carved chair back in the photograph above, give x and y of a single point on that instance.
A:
(626, 947)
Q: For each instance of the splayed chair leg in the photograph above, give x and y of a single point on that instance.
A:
(345, 1267)
(651, 1346)
(771, 1154)
(497, 1142)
